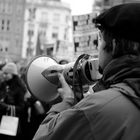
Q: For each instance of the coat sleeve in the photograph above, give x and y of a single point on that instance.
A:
(70, 124)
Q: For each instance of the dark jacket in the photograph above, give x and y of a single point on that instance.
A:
(12, 93)
(111, 113)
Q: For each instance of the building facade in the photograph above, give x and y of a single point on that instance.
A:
(46, 22)
(11, 29)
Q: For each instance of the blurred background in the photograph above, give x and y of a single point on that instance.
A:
(29, 28)
(60, 29)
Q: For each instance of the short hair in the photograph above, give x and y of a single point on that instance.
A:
(123, 46)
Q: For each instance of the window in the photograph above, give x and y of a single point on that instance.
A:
(8, 25)
(55, 32)
(32, 13)
(49, 51)
(2, 25)
(55, 35)
(30, 32)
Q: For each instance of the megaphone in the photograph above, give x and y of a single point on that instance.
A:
(42, 78)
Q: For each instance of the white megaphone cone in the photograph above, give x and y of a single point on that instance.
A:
(40, 81)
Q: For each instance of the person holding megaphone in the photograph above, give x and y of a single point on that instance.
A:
(112, 112)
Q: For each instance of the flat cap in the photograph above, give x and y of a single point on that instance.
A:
(122, 20)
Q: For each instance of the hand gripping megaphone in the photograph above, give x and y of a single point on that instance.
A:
(42, 78)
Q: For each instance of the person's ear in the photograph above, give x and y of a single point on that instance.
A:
(115, 50)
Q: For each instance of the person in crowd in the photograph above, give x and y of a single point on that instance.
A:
(112, 112)
(22, 73)
(1, 74)
(36, 111)
(12, 92)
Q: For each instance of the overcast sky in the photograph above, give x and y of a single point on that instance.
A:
(80, 7)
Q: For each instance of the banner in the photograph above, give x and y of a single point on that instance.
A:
(85, 34)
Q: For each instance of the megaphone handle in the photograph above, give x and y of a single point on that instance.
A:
(78, 95)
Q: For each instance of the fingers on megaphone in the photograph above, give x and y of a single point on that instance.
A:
(61, 85)
(64, 91)
(62, 80)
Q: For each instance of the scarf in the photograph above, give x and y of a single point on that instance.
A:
(125, 69)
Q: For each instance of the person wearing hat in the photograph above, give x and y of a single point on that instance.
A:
(13, 90)
(112, 112)
(9, 70)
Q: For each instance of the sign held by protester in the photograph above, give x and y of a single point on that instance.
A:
(85, 34)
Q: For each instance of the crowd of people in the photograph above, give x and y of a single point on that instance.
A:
(112, 109)
(14, 93)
